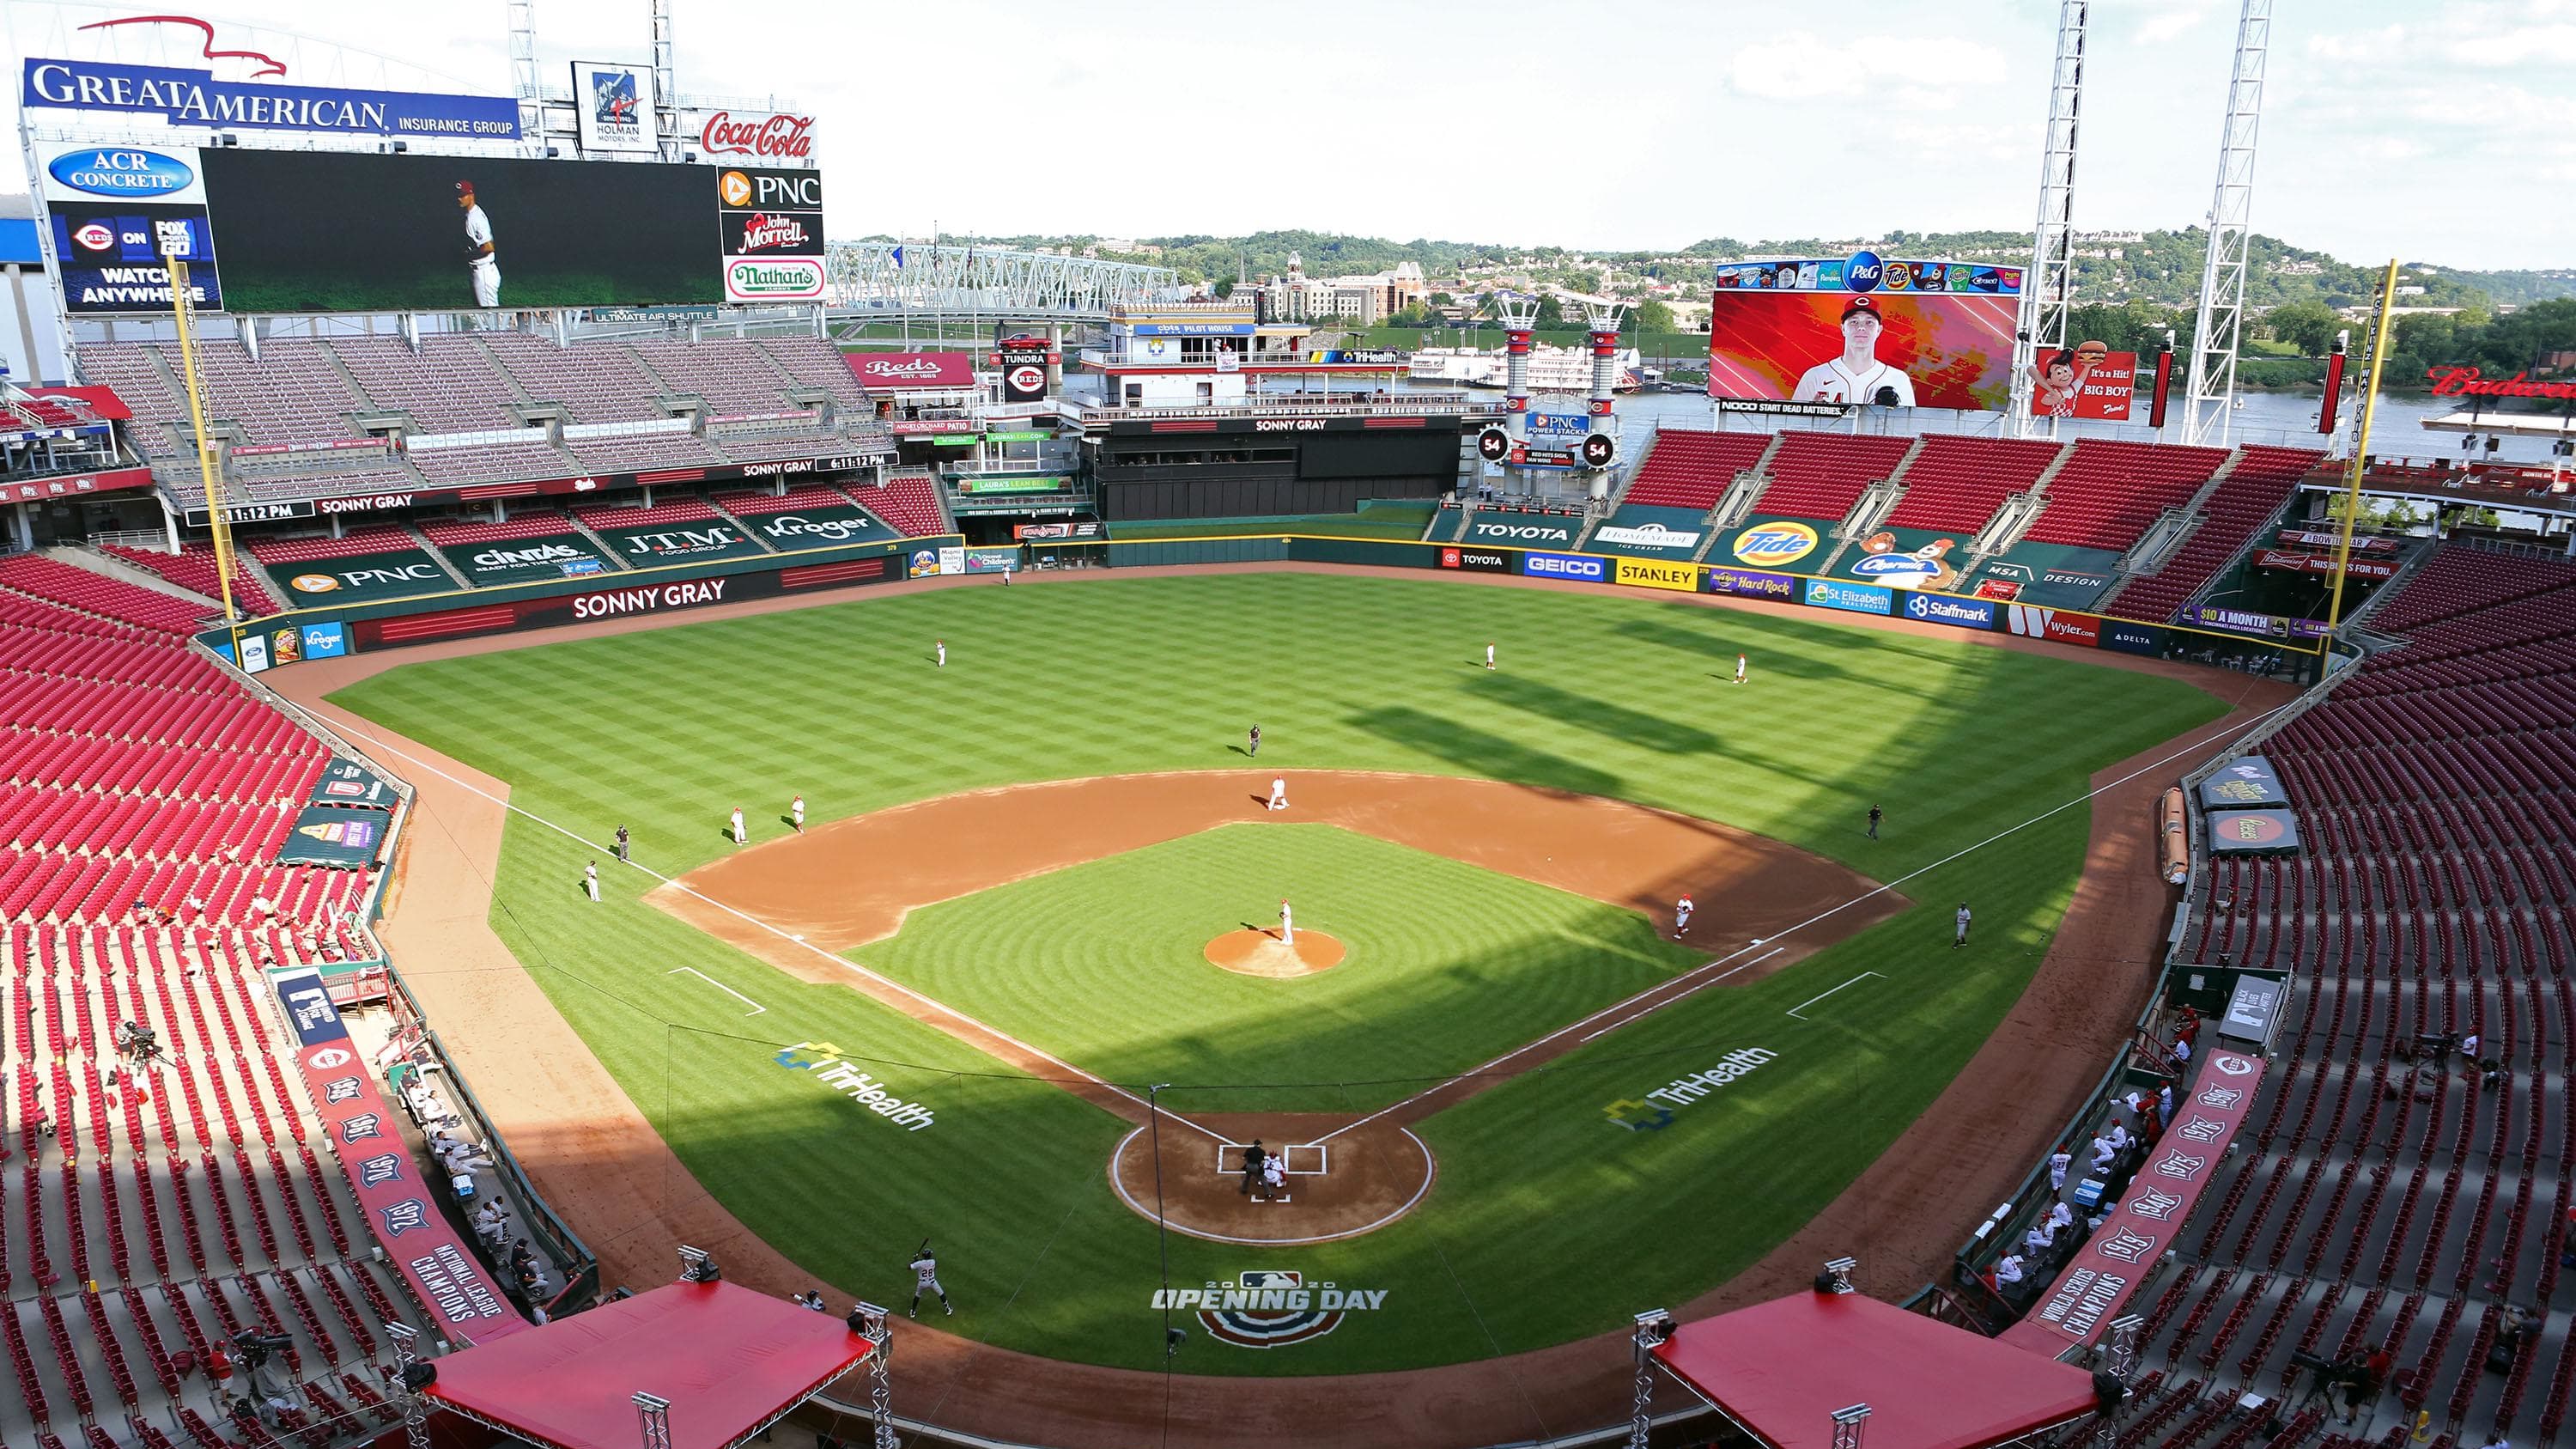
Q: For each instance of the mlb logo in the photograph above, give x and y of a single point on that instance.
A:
(1270, 1278)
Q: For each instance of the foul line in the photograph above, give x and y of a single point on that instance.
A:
(1828, 913)
(756, 1007)
(1669, 1000)
(1812, 1000)
(798, 942)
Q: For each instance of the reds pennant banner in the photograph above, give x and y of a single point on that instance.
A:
(395, 1190)
(2077, 1309)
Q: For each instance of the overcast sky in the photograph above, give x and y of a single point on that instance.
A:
(2439, 131)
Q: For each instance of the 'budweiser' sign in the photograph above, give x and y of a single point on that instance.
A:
(771, 138)
(2472, 382)
(889, 371)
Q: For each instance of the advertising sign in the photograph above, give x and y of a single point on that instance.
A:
(771, 223)
(1885, 558)
(1522, 530)
(1649, 532)
(401, 1207)
(2128, 638)
(328, 835)
(2254, 832)
(1085, 529)
(772, 138)
(2247, 782)
(652, 544)
(349, 782)
(818, 528)
(343, 231)
(1863, 331)
(2311, 538)
(114, 212)
(2088, 380)
(1580, 567)
(1001, 559)
(2063, 625)
(1564, 429)
(1479, 560)
(1943, 609)
(1746, 584)
(613, 108)
(2297, 561)
(196, 98)
(522, 560)
(911, 371)
(1657, 574)
(1773, 544)
(325, 640)
(360, 578)
(1854, 598)
(2107, 1270)
(2239, 621)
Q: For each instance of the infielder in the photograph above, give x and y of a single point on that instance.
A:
(1279, 792)
(1287, 926)
(590, 879)
(1681, 916)
(480, 261)
(1743, 666)
(941, 645)
(1255, 750)
(925, 1279)
(796, 812)
(740, 836)
(1489, 656)
(1858, 376)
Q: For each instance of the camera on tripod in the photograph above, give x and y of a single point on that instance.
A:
(256, 1346)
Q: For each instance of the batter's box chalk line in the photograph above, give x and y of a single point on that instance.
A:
(1317, 1154)
(756, 1007)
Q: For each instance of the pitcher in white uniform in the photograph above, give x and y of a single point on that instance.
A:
(481, 262)
(1858, 376)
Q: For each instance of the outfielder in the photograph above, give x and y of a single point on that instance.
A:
(941, 645)
(590, 879)
(480, 261)
(1489, 656)
(1681, 916)
(740, 836)
(1279, 792)
(925, 1279)
(1963, 919)
(796, 812)
(1287, 926)
(1743, 666)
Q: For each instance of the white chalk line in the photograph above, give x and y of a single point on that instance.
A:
(1831, 911)
(1812, 1000)
(1676, 996)
(801, 943)
(756, 1007)
(1119, 1186)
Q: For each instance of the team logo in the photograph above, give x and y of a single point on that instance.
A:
(734, 188)
(1025, 378)
(2231, 1065)
(1775, 543)
(1863, 273)
(96, 236)
(1270, 1308)
(313, 583)
(122, 172)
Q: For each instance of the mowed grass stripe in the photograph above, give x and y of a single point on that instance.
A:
(1558, 1221)
(1450, 965)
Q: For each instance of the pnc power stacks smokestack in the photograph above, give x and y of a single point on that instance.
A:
(1605, 369)
(1516, 351)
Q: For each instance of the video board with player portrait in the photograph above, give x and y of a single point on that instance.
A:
(1862, 331)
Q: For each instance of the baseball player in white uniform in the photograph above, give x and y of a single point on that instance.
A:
(480, 261)
(590, 879)
(1681, 916)
(1287, 926)
(1742, 667)
(925, 1279)
(739, 835)
(1279, 792)
(1858, 376)
(1489, 656)
(796, 812)
(941, 645)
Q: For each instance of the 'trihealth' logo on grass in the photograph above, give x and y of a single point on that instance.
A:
(850, 1082)
(1656, 1112)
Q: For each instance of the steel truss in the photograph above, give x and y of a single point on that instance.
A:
(878, 279)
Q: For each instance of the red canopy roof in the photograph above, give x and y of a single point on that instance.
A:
(730, 1360)
(1782, 1368)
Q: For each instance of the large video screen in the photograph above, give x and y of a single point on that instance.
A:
(1861, 331)
(313, 231)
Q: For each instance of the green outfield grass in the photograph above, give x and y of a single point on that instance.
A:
(1551, 1219)
(1450, 965)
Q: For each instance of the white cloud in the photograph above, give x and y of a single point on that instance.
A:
(1883, 69)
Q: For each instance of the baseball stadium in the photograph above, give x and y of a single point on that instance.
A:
(604, 852)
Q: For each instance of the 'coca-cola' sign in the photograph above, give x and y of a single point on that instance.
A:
(902, 371)
(774, 137)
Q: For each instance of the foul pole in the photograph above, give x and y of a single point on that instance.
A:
(2360, 460)
(183, 314)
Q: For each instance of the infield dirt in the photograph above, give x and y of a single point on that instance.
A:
(604, 1168)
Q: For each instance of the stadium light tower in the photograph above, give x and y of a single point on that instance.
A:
(666, 89)
(2048, 288)
(2209, 401)
(523, 66)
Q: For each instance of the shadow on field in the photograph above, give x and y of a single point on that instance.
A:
(1477, 752)
(1600, 716)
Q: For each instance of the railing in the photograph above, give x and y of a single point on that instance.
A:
(1394, 404)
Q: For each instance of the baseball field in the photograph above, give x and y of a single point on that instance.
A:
(974, 1002)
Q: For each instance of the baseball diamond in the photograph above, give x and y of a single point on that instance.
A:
(999, 923)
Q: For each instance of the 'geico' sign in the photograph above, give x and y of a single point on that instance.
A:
(1565, 566)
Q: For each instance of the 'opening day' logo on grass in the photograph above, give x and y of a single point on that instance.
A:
(1655, 1111)
(1270, 1307)
(850, 1082)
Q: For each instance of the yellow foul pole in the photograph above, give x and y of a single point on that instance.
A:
(183, 313)
(2379, 344)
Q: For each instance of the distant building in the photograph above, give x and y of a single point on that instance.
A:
(1363, 301)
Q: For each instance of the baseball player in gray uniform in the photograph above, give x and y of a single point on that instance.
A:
(925, 1279)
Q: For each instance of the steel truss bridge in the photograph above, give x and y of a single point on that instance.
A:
(867, 281)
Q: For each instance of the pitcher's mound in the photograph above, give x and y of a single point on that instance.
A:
(1262, 953)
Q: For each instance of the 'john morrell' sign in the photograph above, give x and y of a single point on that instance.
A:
(196, 98)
